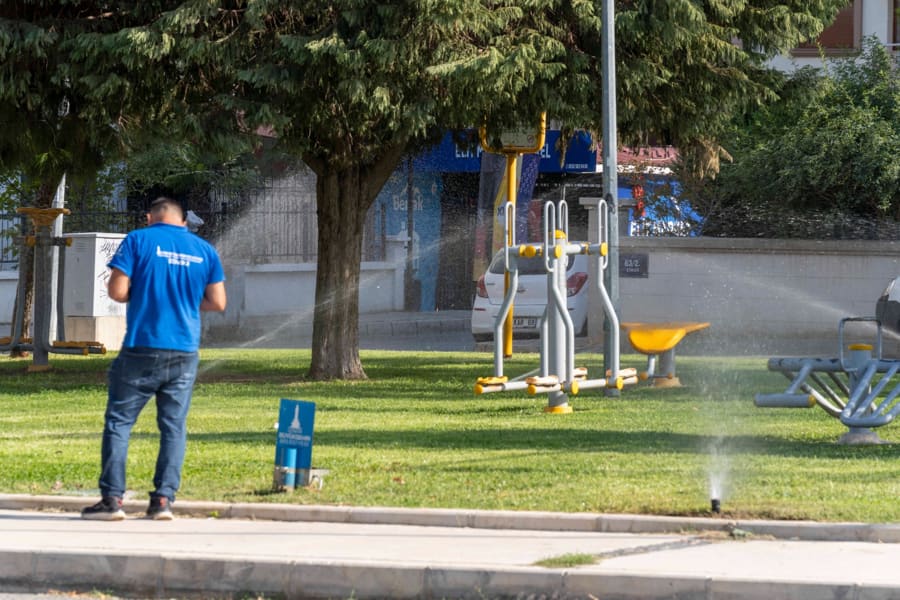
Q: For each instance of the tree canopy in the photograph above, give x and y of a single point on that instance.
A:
(828, 152)
(61, 112)
(351, 86)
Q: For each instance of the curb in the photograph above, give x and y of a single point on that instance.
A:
(486, 519)
(173, 573)
(163, 576)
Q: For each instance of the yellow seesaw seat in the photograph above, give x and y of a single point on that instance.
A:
(659, 340)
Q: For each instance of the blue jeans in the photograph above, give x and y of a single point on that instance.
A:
(135, 375)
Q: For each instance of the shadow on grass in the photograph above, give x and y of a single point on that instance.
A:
(570, 440)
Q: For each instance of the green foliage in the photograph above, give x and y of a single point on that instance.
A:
(84, 83)
(184, 167)
(13, 189)
(340, 81)
(819, 163)
(44, 134)
(682, 77)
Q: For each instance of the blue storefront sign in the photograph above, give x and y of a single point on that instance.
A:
(461, 154)
(293, 448)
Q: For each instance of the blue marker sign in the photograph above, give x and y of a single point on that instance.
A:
(293, 449)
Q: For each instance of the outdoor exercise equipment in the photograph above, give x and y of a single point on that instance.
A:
(658, 342)
(558, 376)
(39, 345)
(859, 387)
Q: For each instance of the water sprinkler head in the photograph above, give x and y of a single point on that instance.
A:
(716, 505)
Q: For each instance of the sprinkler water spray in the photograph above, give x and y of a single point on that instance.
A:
(716, 479)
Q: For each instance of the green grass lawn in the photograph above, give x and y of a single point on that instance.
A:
(415, 435)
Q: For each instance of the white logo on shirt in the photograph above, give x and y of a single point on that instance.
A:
(176, 258)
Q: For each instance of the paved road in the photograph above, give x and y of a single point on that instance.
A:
(342, 552)
(438, 331)
(443, 331)
(450, 331)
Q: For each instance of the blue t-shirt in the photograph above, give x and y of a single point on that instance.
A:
(169, 268)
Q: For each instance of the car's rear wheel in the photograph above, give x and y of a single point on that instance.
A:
(483, 337)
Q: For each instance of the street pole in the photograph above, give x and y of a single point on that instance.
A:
(610, 183)
(56, 327)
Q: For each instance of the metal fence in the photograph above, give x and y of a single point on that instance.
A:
(10, 227)
(277, 223)
(274, 223)
(13, 225)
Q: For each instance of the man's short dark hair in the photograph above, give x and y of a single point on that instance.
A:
(164, 201)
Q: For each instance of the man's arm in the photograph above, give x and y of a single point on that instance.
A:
(214, 297)
(118, 285)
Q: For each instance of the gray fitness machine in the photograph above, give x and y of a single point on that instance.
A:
(858, 387)
(558, 377)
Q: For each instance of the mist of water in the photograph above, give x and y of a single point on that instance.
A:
(815, 318)
(719, 469)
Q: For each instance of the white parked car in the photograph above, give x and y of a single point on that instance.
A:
(531, 296)
(887, 307)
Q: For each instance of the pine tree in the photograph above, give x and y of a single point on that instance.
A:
(351, 86)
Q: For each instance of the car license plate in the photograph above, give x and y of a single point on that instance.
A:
(524, 322)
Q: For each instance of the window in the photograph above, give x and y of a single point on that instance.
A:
(841, 36)
(895, 18)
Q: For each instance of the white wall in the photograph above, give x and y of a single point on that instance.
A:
(278, 289)
(264, 297)
(8, 282)
(760, 296)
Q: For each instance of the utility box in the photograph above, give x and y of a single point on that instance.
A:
(86, 275)
(90, 314)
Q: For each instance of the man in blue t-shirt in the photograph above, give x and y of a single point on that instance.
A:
(167, 275)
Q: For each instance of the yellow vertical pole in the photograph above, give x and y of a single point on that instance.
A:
(534, 143)
(511, 187)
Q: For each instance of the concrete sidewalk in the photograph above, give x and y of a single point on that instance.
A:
(216, 549)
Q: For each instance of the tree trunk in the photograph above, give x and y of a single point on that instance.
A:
(26, 274)
(344, 193)
(341, 208)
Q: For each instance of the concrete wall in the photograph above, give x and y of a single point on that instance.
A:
(8, 282)
(262, 298)
(760, 296)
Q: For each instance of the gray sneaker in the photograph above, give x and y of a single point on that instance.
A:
(108, 509)
(160, 509)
